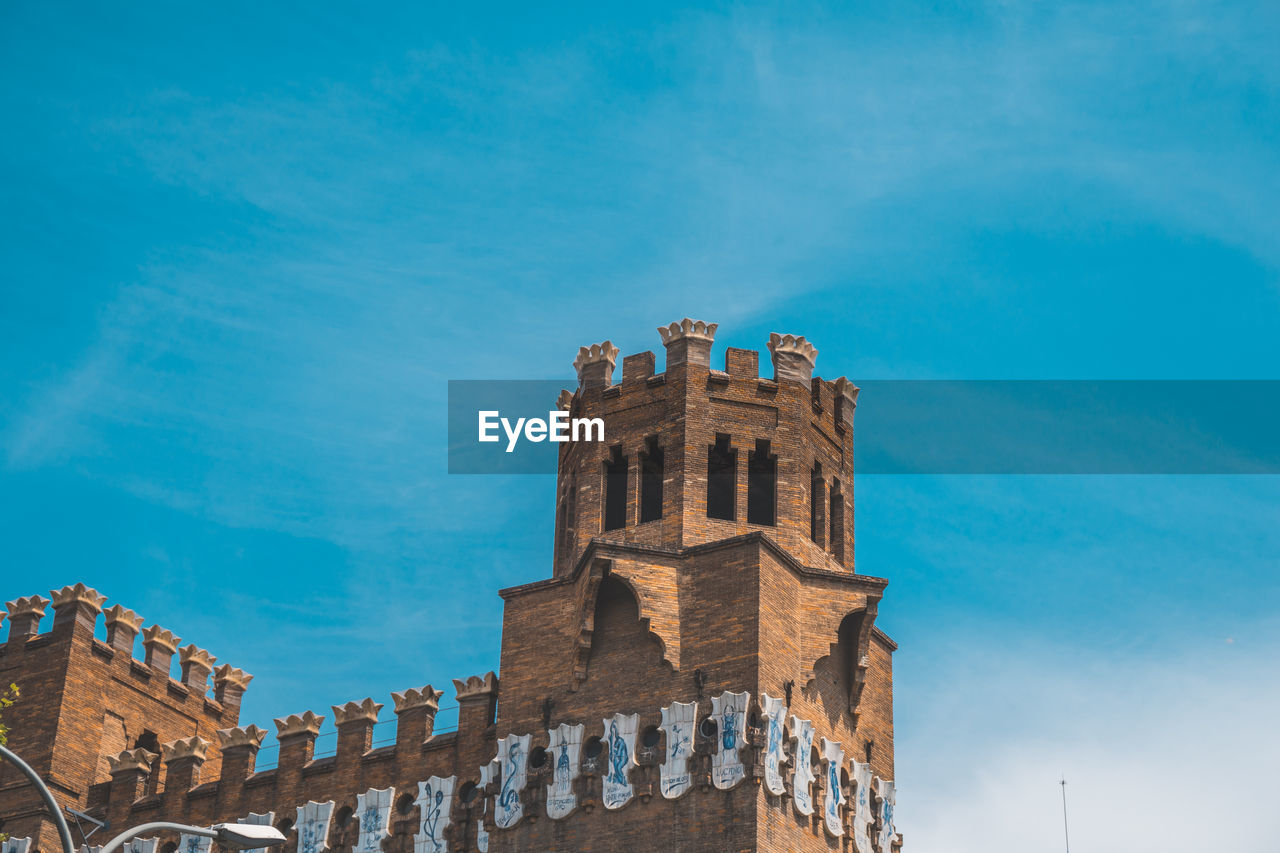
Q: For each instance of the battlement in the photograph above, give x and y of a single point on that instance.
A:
(76, 612)
(140, 784)
(696, 454)
(703, 672)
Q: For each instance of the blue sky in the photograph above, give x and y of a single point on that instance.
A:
(246, 246)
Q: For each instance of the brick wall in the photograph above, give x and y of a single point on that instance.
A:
(677, 609)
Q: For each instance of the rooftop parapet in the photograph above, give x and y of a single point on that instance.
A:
(420, 697)
(188, 747)
(131, 760)
(355, 722)
(241, 736)
(416, 710)
(229, 684)
(129, 771)
(476, 687)
(25, 615)
(160, 646)
(123, 626)
(354, 712)
(239, 747)
(76, 602)
(296, 734)
(846, 400)
(688, 342)
(182, 759)
(308, 722)
(595, 365)
(196, 665)
(793, 358)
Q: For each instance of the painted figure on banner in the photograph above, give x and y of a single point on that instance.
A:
(862, 807)
(435, 803)
(564, 753)
(775, 750)
(374, 810)
(678, 720)
(802, 774)
(729, 710)
(513, 753)
(887, 796)
(313, 826)
(833, 793)
(620, 750)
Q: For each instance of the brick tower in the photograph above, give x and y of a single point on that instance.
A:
(701, 672)
(705, 547)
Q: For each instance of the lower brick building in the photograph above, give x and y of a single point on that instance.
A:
(701, 672)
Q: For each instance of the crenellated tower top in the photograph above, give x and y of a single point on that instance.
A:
(695, 454)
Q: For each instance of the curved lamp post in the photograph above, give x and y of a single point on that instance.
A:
(45, 794)
(230, 836)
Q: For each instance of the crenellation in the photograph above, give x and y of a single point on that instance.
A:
(594, 365)
(355, 722)
(416, 711)
(160, 646)
(637, 368)
(688, 343)
(123, 626)
(24, 617)
(742, 363)
(196, 665)
(238, 737)
(306, 723)
(229, 685)
(194, 747)
(793, 358)
(737, 659)
(76, 604)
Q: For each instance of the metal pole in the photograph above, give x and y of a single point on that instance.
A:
(1065, 834)
(45, 794)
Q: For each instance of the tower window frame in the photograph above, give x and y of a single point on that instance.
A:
(652, 472)
(762, 485)
(722, 479)
(614, 473)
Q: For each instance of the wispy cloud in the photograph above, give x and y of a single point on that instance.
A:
(1154, 751)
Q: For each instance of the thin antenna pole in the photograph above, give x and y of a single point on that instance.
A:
(1066, 835)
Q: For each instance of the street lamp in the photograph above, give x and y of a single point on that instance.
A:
(230, 836)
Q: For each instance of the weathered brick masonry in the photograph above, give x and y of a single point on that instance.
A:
(704, 550)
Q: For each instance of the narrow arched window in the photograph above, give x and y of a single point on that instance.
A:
(651, 473)
(615, 490)
(837, 520)
(762, 485)
(722, 476)
(817, 504)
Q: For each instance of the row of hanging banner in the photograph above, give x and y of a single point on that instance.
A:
(729, 715)
(873, 798)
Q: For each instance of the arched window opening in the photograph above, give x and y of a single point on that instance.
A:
(762, 485)
(817, 504)
(615, 490)
(651, 474)
(722, 475)
(837, 520)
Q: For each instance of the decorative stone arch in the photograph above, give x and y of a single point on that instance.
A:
(596, 572)
(850, 652)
